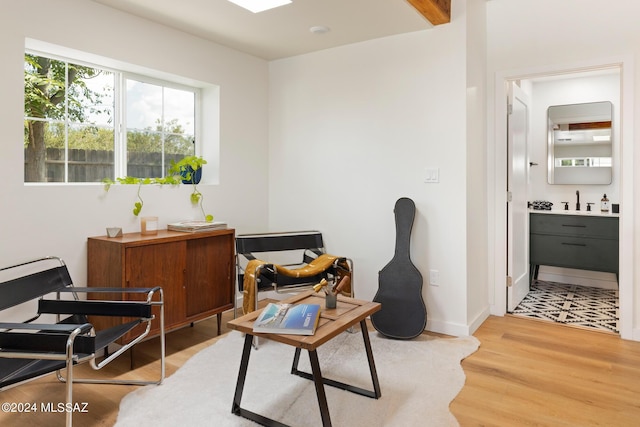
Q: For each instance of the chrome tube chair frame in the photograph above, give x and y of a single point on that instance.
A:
(309, 242)
(47, 347)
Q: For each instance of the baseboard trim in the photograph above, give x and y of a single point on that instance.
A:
(479, 320)
(457, 329)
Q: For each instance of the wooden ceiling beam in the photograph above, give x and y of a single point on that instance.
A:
(436, 11)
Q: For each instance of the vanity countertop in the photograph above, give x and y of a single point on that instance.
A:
(571, 212)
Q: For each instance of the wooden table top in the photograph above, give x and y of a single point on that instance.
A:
(348, 312)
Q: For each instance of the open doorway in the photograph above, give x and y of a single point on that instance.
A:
(556, 286)
(575, 297)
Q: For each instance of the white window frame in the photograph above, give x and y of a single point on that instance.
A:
(121, 129)
(206, 96)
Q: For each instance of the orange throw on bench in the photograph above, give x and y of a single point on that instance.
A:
(316, 266)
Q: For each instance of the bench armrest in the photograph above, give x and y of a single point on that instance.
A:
(55, 327)
(112, 290)
(50, 339)
(149, 291)
(97, 308)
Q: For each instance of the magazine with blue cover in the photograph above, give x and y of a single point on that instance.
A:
(295, 319)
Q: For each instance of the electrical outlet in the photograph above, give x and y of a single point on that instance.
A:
(434, 277)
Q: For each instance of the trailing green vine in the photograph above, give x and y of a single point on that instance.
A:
(137, 206)
(181, 171)
(186, 168)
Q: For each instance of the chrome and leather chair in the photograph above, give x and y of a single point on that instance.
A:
(47, 328)
(285, 262)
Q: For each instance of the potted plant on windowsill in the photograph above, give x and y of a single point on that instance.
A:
(187, 170)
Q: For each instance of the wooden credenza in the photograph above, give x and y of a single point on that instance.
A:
(195, 271)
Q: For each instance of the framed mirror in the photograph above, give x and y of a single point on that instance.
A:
(580, 143)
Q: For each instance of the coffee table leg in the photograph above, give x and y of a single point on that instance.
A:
(296, 360)
(237, 397)
(319, 383)
(372, 363)
(242, 374)
(374, 394)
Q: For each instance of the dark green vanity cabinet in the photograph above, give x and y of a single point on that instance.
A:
(573, 241)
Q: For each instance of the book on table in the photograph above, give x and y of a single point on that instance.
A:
(294, 319)
(195, 226)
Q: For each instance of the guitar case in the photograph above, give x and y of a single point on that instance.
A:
(403, 314)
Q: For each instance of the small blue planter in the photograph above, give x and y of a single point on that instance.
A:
(195, 176)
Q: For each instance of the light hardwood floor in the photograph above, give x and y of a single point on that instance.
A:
(536, 373)
(526, 373)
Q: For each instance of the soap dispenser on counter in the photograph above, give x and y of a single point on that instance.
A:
(604, 204)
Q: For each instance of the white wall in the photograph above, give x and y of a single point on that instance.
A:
(39, 220)
(352, 129)
(477, 233)
(528, 36)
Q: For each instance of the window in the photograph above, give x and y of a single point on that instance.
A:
(84, 122)
(160, 126)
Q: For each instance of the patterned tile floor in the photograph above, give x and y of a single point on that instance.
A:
(572, 304)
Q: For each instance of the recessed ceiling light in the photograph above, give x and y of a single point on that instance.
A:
(256, 6)
(319, 29)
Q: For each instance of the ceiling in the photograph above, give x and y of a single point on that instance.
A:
(283, 31)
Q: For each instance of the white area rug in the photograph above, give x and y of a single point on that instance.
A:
(418, 380)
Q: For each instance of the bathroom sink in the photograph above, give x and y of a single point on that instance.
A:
(573, 212)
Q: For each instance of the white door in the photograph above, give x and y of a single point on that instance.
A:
(517, 188)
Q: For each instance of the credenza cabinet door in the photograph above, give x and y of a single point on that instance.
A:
(208, 264)
(162, 265)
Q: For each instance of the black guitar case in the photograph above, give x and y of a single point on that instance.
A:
(403, 314)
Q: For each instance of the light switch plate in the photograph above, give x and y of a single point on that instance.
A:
(434, 277)
(431, 175)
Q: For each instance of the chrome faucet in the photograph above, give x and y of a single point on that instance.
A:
(578, 200)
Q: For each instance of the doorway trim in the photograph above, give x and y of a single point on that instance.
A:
(497, 168)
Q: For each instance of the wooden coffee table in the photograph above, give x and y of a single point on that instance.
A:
(333, 322)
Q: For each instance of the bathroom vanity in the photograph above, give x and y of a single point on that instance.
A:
(585, 241)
